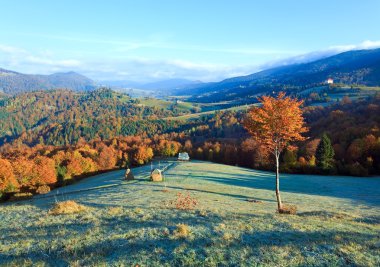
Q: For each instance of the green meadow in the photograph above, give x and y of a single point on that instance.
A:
(232, 223)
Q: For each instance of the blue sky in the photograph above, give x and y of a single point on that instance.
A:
(202, 40)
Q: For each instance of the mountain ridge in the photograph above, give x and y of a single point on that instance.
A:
(351, 67)
(12, 82)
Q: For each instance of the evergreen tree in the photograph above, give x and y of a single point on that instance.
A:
(325, 153)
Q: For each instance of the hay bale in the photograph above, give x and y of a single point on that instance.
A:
(129, 175)
(67, 207)
(156, 176)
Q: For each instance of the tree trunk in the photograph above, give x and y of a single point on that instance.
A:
(279, 203)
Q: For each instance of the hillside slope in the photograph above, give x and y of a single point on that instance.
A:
(136, 222)
(62, 116)
(353, 67)
(12, 82)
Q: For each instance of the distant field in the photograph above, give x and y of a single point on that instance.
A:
(165, 104)
(369, 88)
(336, 93)
(186, 106)
(154, 102)
(197, 115)
(129, 223)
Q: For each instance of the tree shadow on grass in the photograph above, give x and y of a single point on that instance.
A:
(358, 189)
(372, 219)
(130, 219)
(160, 247)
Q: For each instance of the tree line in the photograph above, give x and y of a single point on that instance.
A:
(28, 169)
(343, 138)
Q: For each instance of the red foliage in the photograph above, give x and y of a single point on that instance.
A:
(277, 122)
(45, 171)
(106, 159)
(7, 178)
(185, 202)
(142, 155)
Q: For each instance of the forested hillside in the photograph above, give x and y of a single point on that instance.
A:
(12, 82)
(61, 117)
(350, 68)
(352, 128)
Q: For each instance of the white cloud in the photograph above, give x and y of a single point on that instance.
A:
(11, 49)
(315, 55)
(22, 60)
(143, 69)
(67, 63)
(368, 44)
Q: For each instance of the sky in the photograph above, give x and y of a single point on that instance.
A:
(205, 40)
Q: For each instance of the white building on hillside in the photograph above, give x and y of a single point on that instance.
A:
(183, 156)
(330, 81)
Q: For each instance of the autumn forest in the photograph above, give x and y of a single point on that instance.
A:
(53, 138)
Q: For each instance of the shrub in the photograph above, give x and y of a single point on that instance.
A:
(185, 202)
(227, 237)
(288, 209)
(43, 189)
(67, 207)
(203, 213)
(182, 231)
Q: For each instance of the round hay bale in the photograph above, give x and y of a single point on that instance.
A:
(67, 207)
(156, 176)
(129, 175)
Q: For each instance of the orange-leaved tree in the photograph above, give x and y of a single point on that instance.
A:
(276, 123)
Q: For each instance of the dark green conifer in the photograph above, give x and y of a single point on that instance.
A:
(325, 153)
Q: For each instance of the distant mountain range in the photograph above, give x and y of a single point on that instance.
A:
(12, 82)
(353, 67)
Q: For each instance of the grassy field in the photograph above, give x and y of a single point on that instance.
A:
(369, 88)
(206, 113)
(154, 102)
(160, 103)
(205, 108)
(233, 224)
